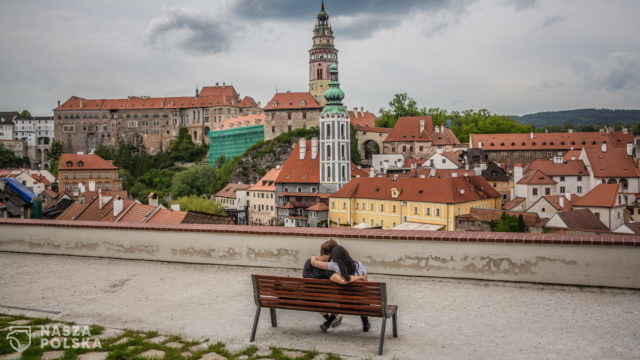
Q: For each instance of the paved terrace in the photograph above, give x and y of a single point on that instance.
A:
(438, 318)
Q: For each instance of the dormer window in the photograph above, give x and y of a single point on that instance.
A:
(303, 103)
(69, 164)
(80, 163)
(275, 103)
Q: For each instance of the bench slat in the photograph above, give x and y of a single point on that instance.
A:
(269, 278)
(327, 286)
(316, 295)
(324, 309)
(332, 305)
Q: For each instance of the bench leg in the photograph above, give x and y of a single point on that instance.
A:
(384, 324)
(274, 317)
(255, 324)
(395, 325)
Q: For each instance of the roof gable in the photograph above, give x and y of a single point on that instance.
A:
(292, 100)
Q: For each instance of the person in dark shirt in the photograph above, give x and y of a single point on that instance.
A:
(309, 271)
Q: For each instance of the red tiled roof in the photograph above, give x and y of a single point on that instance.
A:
(209, 96)
(362, 118)
(548, 141)
(41, 179)
(229, 191)
(288, 205)
(93, 210)
(453, 156)
(408, 129)
(603, 195)
(240, 121)
(248, 102)
(292, 100)
(513, 203)
(111, 217)
(582, 219)
(449, 190)
(319, 207)
(164, 216)
(137, 213)
(572, 154)
(447, 173)
(613, 163)
(71, 212)
(84, 162)
(536, 177)
(358, 172)
(268, 181)
(302, 171)
(549, 167)
(51, 193)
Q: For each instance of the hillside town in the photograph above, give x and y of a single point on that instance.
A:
(413, 175)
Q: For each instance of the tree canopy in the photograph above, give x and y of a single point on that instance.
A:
(9, 160)
(200, 204)
(25, 114)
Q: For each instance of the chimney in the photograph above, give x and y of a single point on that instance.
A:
(517, 173)
(371, 172)
(118, 204)
(478, 170)
(58, 103)
(314, 148)
(531, 135)
(570, 131)
(625, 130)
(603, 147)
(76, 193)
(153, 199)
(197, 93)
(561, 202)
(421, 125)
(99, 200)
(303, 148)
(479, 144)
(432, 172)
(92, 185)
(437, 129)
(277, 167)
(80, 103)
(175, 207)
(453, 174)
(82, 188)
(630, 149)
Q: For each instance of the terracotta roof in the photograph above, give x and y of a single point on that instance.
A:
(513, 203)
(548, 141)
(554, 200)
(41, 179)
(209, 96)
(373, 129)
(303, 171)
(319, 207)
(582, 219)
(164, 216)
(137, 213)
(288, 205)
(240, 121)
(362, 118)
(448, 190)
(446, 173)
(248, 102)
(268, 181)
(408, 129)
(111, 217)
(487, 215)
(567, 168)
(51, 193)
(94, 211)
(292, 101)
(71, 212)
(358, 172)
(229, 191)
(84, 162)
(603, 195)
(635, 227)
(536, 177)
(572, 154)
(613, 163)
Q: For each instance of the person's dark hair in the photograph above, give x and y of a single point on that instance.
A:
(327, 246)
(347, 265)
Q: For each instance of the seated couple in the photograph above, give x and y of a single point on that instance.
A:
(336, 264)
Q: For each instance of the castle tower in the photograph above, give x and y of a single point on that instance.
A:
(335, 155)
(321, 56)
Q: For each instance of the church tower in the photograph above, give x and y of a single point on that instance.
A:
(335, 150)
(321, 56)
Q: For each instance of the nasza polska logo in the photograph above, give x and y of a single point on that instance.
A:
(56, 337)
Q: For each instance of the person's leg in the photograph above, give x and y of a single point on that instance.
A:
(337, 321)
(365, 323)
(327, 324)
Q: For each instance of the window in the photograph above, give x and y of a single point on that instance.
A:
(544, 210)
(527, 155)
(393, 209)
(561, 178)
(289, 115)
(304, 114)
(371, 207)
(538, 154)
(415, 210)
(289, 128)
(579, 178)
(381, 207)
(273, 129)
(562, 189)
(534, 191)
(428, 211)
(438, 212)
(549, 155)
(547, 191)
(344, 204)
(597, 215)
(505, 154)
(579, 189)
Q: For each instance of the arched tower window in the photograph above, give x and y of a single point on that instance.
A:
(319, 74)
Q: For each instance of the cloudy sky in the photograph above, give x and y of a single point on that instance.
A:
(509, 56)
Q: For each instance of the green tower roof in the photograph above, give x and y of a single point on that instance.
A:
(334, 94)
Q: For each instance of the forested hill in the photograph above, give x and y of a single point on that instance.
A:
(580, 117)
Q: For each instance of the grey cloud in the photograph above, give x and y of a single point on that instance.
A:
(520, 5)
(354, 19)
(545, 85)
(552, 20)
(619, 71)
(191, 30)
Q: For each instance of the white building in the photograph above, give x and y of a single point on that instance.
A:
(447, 160)
(7, 125)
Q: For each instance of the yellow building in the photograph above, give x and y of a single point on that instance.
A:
(390, 202)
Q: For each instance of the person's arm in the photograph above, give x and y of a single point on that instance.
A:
(315, 262)
(338, 279)
(359, 278)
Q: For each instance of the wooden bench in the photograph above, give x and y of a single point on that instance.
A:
(322, 296)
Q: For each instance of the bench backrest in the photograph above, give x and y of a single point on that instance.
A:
(357, 298)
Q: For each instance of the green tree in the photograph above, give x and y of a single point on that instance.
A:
(104, 152)
(200, 204)
(521, 226)
(355, 154)
(196, 180)
(25, 114)
(55, 150)
(401, 105)
(508, 223)
(184, 149)
(8, 159)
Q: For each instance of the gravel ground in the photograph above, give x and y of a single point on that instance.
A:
(438, 318)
